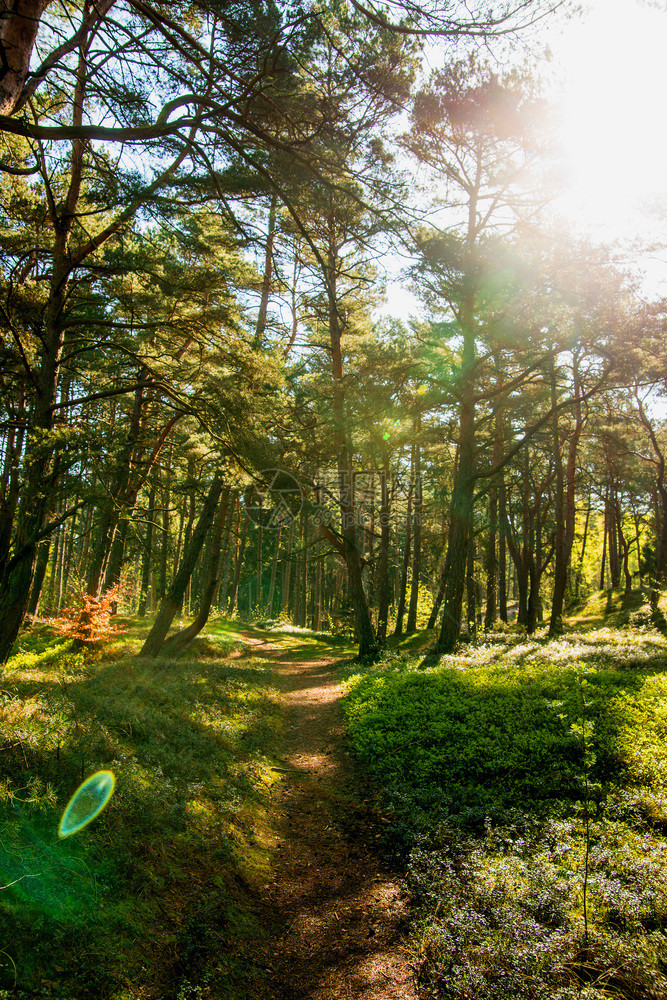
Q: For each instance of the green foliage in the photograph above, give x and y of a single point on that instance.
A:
(527, 783)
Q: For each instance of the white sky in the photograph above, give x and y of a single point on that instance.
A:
(613, 61)
(610, 68)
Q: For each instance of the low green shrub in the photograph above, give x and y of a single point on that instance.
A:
(528, 789)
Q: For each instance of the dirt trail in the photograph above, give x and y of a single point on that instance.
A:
(340, 915)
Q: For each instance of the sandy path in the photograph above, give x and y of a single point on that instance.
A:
(338, 915)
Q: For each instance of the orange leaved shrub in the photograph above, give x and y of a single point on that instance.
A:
(90, 621)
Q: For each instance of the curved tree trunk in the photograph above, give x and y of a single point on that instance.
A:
(179, 640)
(172, 602)
(38, 579)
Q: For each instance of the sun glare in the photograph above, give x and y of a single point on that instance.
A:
(613, 129)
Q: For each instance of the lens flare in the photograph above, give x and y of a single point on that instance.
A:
(88, 801)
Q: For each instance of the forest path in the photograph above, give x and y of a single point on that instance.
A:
(338, 914)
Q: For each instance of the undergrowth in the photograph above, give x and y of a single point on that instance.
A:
(527, 780)
(154, 898)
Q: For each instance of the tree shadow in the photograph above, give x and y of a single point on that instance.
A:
(173, 856)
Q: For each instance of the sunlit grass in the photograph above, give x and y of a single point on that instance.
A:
(156, 891)
(481, 763)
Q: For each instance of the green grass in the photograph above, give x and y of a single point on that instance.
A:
(155, 898)
(489, 764)
(616, 609)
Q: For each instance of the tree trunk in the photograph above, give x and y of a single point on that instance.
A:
(181, 529)
(533, 603)
(239, 559)
(274, 567)
(188, 533)
(492, 580)
(433, 617)
(317, 589)
(661, 487)
(305, 568)
(502, 576)
(491, 562)
(610, 515)
(565, 498)
(18, 31)
(40, 464)
(417, 550)
(471, 604)
(284, 597)
(179, 640)
(638, 547)
(350, 549)
(580, 564)
(405, 565)
(53, 572)
(119, 499)
(115, 564)
(266, 280)
(38, 579)
(172, 601)
(69, 553)
(383, 560)
(463, 487)
(232, 507)
(147, 556)
(61, 567)
(10, 489)
(260, 542)
(296, 591)
(166, 534)
(518, 557)
(84, 540)
(603, 579)
(624, 546)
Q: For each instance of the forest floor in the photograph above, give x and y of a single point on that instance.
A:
(290, 823)
(338, 914)
(240, 854)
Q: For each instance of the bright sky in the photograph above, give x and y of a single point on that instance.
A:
(611, 64)
(615, 68)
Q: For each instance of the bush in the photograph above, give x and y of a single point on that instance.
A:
(90, 621)
(511, 773)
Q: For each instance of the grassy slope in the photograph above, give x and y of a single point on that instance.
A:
(493, 762)
(155, 899)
